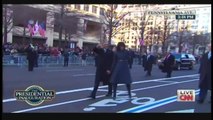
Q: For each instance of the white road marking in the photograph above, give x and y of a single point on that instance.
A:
(79, 75)
(83, 89)
(166, 81)
(57, 104)
(182, 111)
(79, 100)
(64, 70)
(156, 86)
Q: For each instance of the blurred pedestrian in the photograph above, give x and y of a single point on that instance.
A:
(83, 58)
(104, 63)
(205, 75)
(30, 57)
(144, 57)
(66, 57)
(120, 69)
(131, 58)
(36, 55)
(148, 61)
(168, 63)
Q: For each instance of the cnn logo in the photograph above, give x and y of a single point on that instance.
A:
(186, 95)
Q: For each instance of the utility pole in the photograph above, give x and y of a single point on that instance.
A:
(61, 24)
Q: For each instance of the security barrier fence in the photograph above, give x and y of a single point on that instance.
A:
(44, 60)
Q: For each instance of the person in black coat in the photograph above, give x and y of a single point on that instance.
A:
(131, 58)
(104, 63)
(168, 63)
(36, 56)
(143, 59)
(205, 75)
(148, 61)
(66, 57)
(120, 69)
(30, 57)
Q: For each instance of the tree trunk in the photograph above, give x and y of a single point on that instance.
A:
(110, 25)
(60, 25)
(24, 35)
(5, 25)
(180, 43)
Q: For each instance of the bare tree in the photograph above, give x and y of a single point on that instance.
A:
(165, 32)
(113, 20)
(7, 20)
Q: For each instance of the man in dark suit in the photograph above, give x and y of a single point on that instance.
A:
(66, 57)
(148, 61)
(104, 63)
(131, 58)
(36, 56)
(30, 57)
(205, 75)
(143, 59)
(169, 62)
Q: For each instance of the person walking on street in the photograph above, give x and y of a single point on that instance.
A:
(66, 57)
(131, 58)
(148, 61)
(120, 69)
(205, 75)
(30, 57)
(36, 56)
(83, 58)
(168, 63)
(104, 63)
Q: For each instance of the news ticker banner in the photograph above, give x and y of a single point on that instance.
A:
(179, 14)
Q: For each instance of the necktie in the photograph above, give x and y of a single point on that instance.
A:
(209, 55)
(148, 57)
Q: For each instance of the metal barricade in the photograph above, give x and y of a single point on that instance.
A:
(44, 60)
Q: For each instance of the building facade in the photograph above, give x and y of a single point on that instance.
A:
(86, 29)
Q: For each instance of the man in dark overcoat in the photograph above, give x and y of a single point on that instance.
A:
(205, 75)
(131, 58)
(148, 61)
(66, 57)
(169, 62)
(30, 57)
(104, 63)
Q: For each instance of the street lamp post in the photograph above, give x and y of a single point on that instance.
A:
(193, 43)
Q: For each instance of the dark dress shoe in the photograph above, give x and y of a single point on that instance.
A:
(200, 101)
(114, 98)
(108, 95)
(92, 96)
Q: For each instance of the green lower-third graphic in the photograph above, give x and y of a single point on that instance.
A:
(34, 95)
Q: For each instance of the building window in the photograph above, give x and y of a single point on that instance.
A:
(130, 6)
(78, 6)
(101, 11)
(137, 5)
(132, 37)
(124, 6)
(86, 7)
(94, 9)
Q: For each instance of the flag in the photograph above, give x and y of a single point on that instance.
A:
(141, 42)
(85, 25)
(30, 29)
(41, 29)
(36, 27)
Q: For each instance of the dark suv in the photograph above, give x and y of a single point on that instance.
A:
(183, 60)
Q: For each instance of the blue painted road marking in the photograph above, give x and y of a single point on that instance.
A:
(155, 104)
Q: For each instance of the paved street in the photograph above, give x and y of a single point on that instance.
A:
(74, 83)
